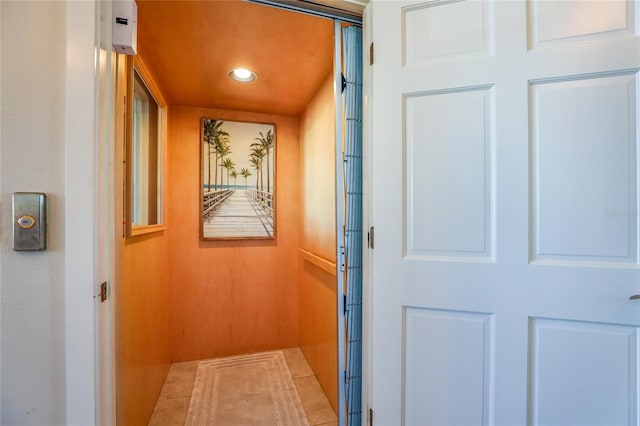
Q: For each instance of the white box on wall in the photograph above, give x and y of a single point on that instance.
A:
(125, 26)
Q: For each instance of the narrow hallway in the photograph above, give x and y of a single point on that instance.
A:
(173, 402)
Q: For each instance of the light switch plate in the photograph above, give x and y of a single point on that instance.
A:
(29, 221)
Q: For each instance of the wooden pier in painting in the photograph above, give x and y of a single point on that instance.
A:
(238, 216)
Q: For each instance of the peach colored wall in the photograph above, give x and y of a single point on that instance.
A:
(143, 307)
(143, 347)
(317, 173)
(230, 297)
(318, 301)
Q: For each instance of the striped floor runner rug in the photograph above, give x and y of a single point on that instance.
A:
(254, 389)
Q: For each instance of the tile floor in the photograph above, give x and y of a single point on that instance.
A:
(173, 402)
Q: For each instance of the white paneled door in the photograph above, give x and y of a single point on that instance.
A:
(505, 199)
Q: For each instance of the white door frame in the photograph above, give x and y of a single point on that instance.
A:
(367, 220)
(106, 217)
(90, 394)
(83, 245)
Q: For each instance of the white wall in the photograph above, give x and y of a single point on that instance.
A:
(32, 141)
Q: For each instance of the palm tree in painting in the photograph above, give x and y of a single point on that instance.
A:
(228, 164)
(259, 152)
(245, 173)
(266, 142)
(223, 148)
(209, 130)
(234, 175)
(213, 135)
(256, 163)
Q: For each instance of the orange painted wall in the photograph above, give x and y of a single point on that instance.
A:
(230, 297)
(143, 345)
(142, 305)
(318, 300)
(317, 173)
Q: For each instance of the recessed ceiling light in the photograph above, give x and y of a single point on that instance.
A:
(242, 74)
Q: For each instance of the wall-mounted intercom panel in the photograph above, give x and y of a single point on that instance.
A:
(29, 221)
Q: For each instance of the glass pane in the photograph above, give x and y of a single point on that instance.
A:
(145, 157)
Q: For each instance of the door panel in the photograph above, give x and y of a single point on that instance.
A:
(505, 200)
(583, 162)
(455, 351)
(567, 358)
(570, 21)
(467, 25)
(450, 166)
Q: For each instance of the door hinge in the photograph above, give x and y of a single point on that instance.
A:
(370, 416)
(104, 291)
(371, 54)
(342, 259)
(370, 237)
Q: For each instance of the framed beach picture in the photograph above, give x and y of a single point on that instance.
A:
(237, 180)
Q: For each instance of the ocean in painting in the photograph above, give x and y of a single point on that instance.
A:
(211, 187)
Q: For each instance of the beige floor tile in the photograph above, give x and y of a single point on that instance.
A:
(179, 381)
(170, 412)
(314, 401)
(298, 365)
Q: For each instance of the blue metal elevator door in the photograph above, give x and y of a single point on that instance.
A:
(352, 98)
